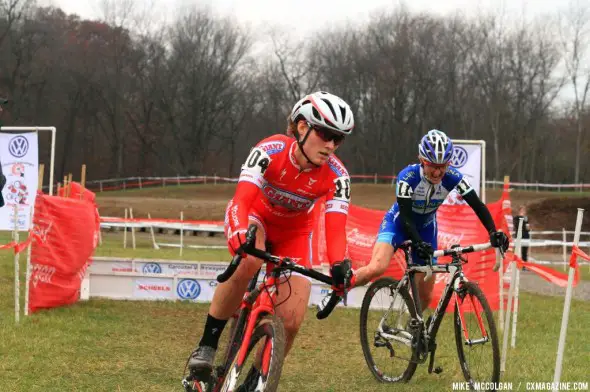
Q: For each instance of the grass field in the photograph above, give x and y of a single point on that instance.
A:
(104, 345)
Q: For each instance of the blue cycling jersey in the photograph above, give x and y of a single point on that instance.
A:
(426, 198)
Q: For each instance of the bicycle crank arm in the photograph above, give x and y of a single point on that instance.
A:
(483, 340)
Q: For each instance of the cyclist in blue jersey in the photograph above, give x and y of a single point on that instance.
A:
(420, 190)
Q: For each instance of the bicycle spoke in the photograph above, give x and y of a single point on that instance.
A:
(385, 339)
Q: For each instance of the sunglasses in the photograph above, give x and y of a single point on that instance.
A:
(435, 166)
(328, 135)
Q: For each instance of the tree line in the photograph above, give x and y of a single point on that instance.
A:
(131, 98)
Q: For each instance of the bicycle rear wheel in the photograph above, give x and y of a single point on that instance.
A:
(476, 337)
(386, 342)
(268, 344)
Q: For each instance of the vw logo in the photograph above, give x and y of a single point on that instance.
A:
(188, 289)
(18, 146)
(152, 268)
(459, 158)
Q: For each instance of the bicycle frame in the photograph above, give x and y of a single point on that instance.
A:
(453, 286)
(257, 302)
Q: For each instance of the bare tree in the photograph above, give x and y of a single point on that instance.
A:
(574, 31)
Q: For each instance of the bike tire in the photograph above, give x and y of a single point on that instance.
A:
(380, 375)
(474, 290)
(236, 331)
(270, 327)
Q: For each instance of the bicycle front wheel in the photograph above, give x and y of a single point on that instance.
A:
(260, 372)
(385, 337)
(476, 337)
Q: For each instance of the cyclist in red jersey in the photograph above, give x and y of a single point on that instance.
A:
(282, 178)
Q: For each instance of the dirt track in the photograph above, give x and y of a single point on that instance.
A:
(207, 202)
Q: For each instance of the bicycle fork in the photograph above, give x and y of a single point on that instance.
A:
(459, 303)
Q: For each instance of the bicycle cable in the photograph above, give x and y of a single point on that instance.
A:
(287, 279)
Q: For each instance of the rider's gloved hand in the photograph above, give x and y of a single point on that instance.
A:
(499, 240)
(424, 250)
(342, 275)
(236, 240)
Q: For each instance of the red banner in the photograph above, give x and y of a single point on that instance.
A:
(70, 230)
(457, 224)
(75, 190)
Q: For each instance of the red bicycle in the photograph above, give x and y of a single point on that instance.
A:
(255, 328)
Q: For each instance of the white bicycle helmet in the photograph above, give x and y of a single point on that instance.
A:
(325, 110)
(436, 147)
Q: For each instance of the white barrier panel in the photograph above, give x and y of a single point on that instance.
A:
(112, 222)
(147, 279)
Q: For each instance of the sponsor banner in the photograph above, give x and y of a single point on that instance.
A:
(19, 154)
(211, 270)
(117, 267)
(146, 288)
(195, 290)
(168, 267)
(149, 268)
(467, 159)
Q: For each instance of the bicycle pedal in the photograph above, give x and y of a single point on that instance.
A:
(438, 370)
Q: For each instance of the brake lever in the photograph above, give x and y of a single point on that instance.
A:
(428, 273)
(429, 270)
(499, 260)
(346, 286)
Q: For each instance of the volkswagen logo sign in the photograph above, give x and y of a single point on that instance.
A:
(18, 146)
(152, 268)
(459, 158)
(188, 289)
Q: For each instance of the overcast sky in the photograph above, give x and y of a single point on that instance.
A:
(305, 16)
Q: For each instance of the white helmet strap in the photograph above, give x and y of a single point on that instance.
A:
(300, 143)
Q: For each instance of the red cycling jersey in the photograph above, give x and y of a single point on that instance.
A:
(280, 196)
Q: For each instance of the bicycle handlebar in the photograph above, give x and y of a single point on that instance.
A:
(460, 250)
(285, 263)
(457, 251)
